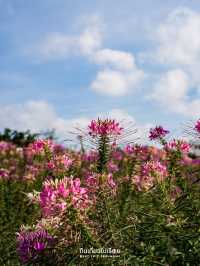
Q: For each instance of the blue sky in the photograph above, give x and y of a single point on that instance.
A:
(63, 63)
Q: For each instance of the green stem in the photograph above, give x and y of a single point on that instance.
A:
(103, 149)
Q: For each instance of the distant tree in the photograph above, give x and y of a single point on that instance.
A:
(24, 138)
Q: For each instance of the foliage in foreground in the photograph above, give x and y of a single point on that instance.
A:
(139, 205)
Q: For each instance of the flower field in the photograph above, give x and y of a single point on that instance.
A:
(109, 205)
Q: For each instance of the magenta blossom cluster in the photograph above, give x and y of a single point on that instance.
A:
(129, 149)
(4, 174)
(197, 126)
(90, 156)
(181, 145)
(92, 182)
(40, 145)
(6, 146)
(152, 172)
(138, 151)
(31, 243)
(157, 133)
(112, 167)
(154, 168)
(56, 196)
(59, 162)
(105, 127)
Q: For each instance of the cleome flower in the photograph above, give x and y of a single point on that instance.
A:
(40, 145)
(155, 168)
(59, 163)
(31, 243)
(95, 181)
(105, 127)
(152, 172)
(157, 133)
(197, 126)
(181, 145)
(56, 196)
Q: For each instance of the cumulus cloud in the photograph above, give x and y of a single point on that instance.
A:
(114, 58)
(90, 40)
(171, 88)
(120, 115)
(116, 83)
(118, 73)
(177, 42)
(172, 92)
(60, 46)
(55, 46)
(179, 37)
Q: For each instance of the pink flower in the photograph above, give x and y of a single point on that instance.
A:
(39, 246)
(111, 182)
(143, 182)
(112, 167)
(31, 243)
(129, 149)
(66, 161)
(51, 165)
(59, 163)
(105, 127)
(90, 156)
(180, 145)
(140, 151)
(62, 191)
(92, 182)
(195, 162)
(117, 155)
(157, 133)
(4, 174)
(56, 196)
(58, 148)
(154, 168)
(6, 146)
(197, 126)
(152, 172)
(40, 145)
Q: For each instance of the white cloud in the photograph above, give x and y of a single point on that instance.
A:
(171, 88)
(177, 42)
(31, 115)
(179, 38)
(118, 74)
(89, 41)
(121, 115)
(59, 45)
(55, 46)
(172, 92)
(116, 83)
(114, 58)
